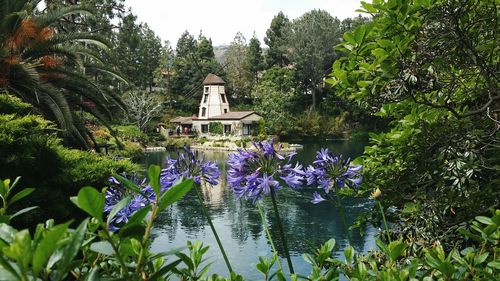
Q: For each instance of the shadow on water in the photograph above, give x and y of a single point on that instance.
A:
(239, 225)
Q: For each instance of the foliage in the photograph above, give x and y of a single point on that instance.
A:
(130, 133)
(50, 254)
(273, 97)
(276, 39)
(311, 44)
(42, 66)
(30, 142)
(9, 197)
(429, 68)
(216, 128)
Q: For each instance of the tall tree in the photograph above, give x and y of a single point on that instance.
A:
(193, 61)
(312, 42)
(276, 39)
(236, 68)
(254, 59)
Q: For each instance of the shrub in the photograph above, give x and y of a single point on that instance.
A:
(216, 128)
(30, 148)
(131, 133)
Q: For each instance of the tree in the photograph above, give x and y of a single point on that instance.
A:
(236, 68)
(194, 60)
(273, 99)
(41, 66)
(137, 52)
(143, 107)
(276, 39)
(254, 62)
(312, 39)
(430, 68)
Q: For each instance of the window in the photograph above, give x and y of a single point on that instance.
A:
(206, 89)
(204, 128)
(225, 110)
(223, 98)
(227, 129)
(203, 111)
(205, 98)
(246, 129)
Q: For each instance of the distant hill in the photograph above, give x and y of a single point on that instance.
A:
(220, 53)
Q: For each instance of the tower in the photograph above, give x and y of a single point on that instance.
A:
(213, 101)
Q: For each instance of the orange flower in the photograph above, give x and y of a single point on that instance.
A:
(49, 61)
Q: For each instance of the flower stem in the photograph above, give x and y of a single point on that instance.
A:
(205, 212)
(269, 235)
(340, 208)
(280, 227)
(385, 221)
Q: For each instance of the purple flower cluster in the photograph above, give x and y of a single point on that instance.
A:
(187, 165)
(330, 172)
(117, 191)
(190, 166)
(253, 173)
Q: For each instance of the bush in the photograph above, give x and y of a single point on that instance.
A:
(216, 128)
(131, 133)
(30, 148)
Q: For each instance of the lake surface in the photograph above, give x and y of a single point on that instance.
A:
(239, 225)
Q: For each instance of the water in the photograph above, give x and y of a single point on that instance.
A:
(239, 225)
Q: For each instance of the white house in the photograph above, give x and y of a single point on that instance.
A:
(214, 107)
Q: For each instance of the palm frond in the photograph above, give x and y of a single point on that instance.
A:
(53, 16)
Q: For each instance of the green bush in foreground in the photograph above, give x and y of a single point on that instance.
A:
(93, 252)
(30, 148)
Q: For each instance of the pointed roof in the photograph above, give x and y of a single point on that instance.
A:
(213, 79)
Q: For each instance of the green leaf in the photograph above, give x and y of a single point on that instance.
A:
(91, 201)
(349, 254)
(175, 193)
(129, 184)
(3, 187)
(139, 216)
(396, 248)
(71, 250)
(120, 205)
(93, 275)
(494, 264)
(22, 211)
(7, 233)
(154, 178)
(164, 270)
(359, 34)
(21, 194)
(47, 246)
(348, 37)
(484, 220)
(103, 247)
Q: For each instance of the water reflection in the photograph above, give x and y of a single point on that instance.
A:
(239, 225)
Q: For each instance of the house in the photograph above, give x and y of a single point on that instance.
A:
(214, 107)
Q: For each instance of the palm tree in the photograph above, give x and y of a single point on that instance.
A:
(46, 67)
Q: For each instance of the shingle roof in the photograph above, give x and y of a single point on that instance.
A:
(213, 79)
(182, 120)
(235, 115)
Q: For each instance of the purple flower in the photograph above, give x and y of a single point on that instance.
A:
(189, 165)
(254, 173)
(329, 172)
(117, 191)
(317, 198)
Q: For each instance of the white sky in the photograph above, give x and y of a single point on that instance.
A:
(221, 19)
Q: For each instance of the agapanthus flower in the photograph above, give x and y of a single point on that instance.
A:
(189, 165)
(329, 172)
(253, 173)
(117, 191)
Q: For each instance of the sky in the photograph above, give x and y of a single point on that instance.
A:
(220, 20)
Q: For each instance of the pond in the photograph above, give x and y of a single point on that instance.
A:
(239, 225)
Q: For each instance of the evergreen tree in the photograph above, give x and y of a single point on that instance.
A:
(276, 39)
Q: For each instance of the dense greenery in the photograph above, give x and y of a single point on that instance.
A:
(30, 148)
(430, 68)
(51, 252)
